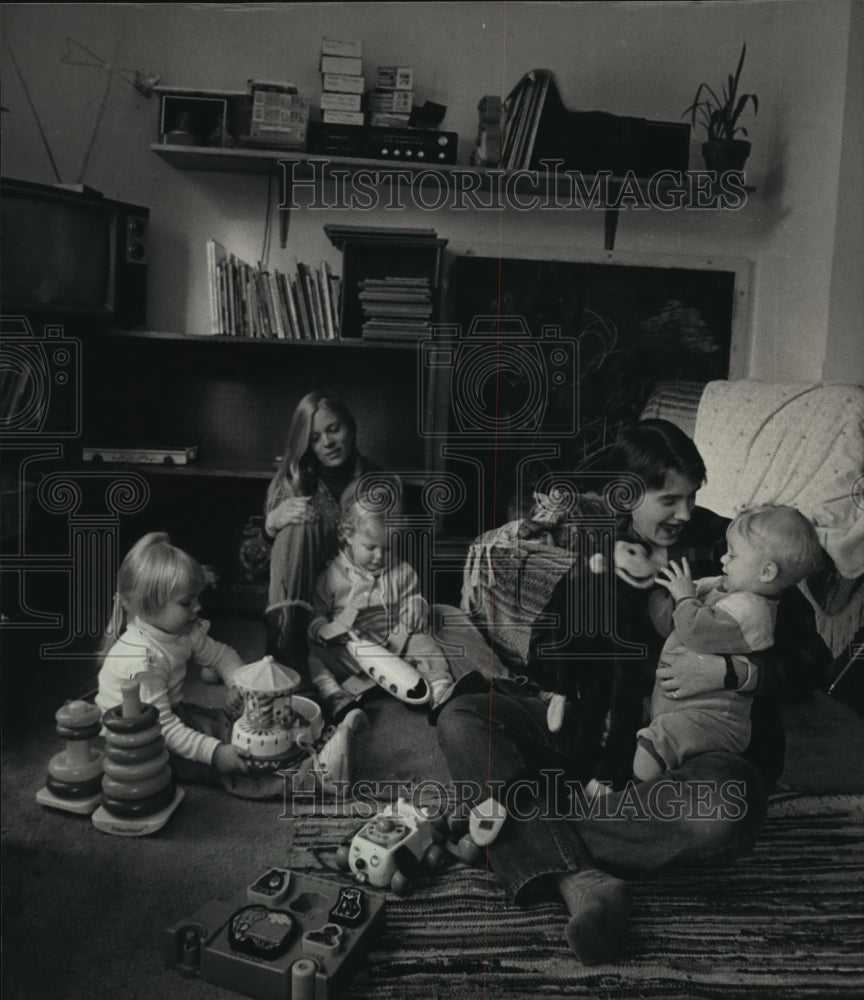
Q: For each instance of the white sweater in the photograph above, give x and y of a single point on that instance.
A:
(159, 660)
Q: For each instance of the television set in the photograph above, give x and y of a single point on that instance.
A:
(68, 254)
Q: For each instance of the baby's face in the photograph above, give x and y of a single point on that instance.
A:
(368, 545)
(744, 565)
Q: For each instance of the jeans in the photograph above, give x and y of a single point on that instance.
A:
(708, 810)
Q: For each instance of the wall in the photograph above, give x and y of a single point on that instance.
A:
(629, 58)
(845, 348)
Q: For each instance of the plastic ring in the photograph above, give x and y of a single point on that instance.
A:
(73, 789)
(114, 719)
(63, 768)
(134, 755)
(136, 772)
(70, 733)
(78, 714)
(132, 791)
(135, 739)
(141, 807)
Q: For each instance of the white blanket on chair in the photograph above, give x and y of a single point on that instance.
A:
(801, 445)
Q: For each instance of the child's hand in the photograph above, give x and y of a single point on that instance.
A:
(227, 760)
(414, 615)
(234, 703)
(678, 581)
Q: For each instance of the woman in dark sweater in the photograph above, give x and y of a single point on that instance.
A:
(320, 464)
(559, 838)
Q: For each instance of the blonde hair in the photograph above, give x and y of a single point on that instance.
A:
(153, 573)
(786, 537)
(357, 509)
(298, 465)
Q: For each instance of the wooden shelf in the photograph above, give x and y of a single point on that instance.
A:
(255, 342)
(542, 184)
(203, 468)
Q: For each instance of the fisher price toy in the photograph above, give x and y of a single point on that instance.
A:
(392, 848)
(283, 731)
(74, 780)
(288, 937)
(276, 724)
(138, 791)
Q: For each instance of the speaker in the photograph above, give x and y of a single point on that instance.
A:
(130, 265)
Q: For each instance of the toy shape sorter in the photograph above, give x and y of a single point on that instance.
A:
(138, 791)
(288, 937)
(74, 780)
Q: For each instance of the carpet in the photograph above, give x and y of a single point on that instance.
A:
(786, 921)
(85, 913)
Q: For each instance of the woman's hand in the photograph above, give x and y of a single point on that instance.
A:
(683, 674)
(227, 760)
(292, 510)
(678, 580)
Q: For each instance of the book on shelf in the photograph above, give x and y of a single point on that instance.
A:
(407, 310)
(339, 234)
(306, 329)
(402, 330)
(317, 307)
(268, 303)
(523, 110)
(216, 256)
(334, 289)
(331, 322)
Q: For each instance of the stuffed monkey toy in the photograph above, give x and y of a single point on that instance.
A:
(632, 566)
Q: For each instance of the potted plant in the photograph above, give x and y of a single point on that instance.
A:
(719, 116)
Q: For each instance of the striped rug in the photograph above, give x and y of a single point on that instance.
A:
(785, 922)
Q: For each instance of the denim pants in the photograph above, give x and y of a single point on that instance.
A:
(708, 810)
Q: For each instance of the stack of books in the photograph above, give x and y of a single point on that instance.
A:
(392, 98)
(253, 301)
(342, 82)
(395, 308)
(280, 116)
(522, 111)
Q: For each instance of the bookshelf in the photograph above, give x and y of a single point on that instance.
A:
(246, 387)
(232, 398)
